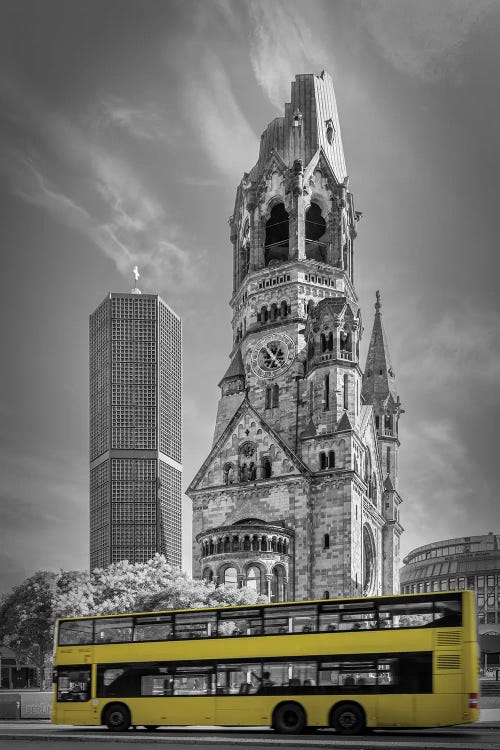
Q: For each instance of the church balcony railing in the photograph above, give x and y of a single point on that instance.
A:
(345, 354)
(326, 356)
(388, 433)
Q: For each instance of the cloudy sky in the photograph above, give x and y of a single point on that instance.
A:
(125, 127)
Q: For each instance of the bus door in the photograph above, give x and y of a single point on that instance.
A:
(73, 695)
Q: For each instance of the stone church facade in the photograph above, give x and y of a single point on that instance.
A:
(298, 496)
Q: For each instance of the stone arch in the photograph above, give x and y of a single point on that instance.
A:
(254, 574)
(369, 559)
(227, 574)
(278, 592)
(316, 233)
(208, 574)
(277, 227)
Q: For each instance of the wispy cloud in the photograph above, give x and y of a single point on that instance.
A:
(423, 38)
(217, 119)
(149, 121)
(282, 44)
(88, 188)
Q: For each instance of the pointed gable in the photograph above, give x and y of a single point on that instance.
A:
(344, 423)
(246, 425)
(379, 381)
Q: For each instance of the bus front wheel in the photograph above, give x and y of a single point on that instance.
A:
(117, 717)
(348, 719)
(289, 718)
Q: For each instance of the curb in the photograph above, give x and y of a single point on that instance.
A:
(261, 742)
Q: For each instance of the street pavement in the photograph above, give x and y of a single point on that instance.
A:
(28, 735)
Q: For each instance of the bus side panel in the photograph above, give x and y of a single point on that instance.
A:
(180, 711)
(396, 710)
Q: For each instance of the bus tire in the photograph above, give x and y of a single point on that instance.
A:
(348, 718)
(117, 717)
(289, 718)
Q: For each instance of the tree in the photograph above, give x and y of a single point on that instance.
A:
(26, 620)
(28, 613)
(141, 587)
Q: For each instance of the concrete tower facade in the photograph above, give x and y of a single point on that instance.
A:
(291, 497)
(135, 430)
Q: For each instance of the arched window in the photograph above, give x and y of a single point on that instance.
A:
(263, 314)
(231, 578)
(326, 594)
(246, 544)
(235, 543)
(331, 459)
(269, 396)
(227, 544)
(388, 460)
(273, 312)
(315, 234)
(284, 309)
(310, 306)
(254, 578)
(208, 575)
(326, 395)
(229, 477)
(323, 343)
(346, 391)
(276, 395)
(330, 342)
(310, 347)
(255, 544)
(277, 233)
(266, 468)
(322, 461)
(278, 586)
(326, 541)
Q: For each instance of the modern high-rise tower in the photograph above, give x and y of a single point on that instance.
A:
(298, 495)
(135, 430)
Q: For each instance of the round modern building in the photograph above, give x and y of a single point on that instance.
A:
(469, 562)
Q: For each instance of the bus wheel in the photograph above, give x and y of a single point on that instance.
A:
(151, 727)
(289, 718)
(348, 719)
(117, 717)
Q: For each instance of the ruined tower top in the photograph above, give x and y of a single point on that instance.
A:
(310, 122)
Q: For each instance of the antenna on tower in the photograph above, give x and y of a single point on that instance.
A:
(136, 275)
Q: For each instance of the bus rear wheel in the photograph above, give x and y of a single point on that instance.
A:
(117, 717)
(348, 719)
(289, 718)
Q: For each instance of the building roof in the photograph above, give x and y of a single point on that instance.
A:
(236, 368)
(379, 381)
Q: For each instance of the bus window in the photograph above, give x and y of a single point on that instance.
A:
(448, 613)
(278, 620)
(193, 625)
(304, 619)
(76, 632)
(113, 630)
(132, 680)
(193, 680)
(240, 622)
(408, 614)
(329, 618)
(73, 684)
(357, 616)
(238, 679)
(154, 628)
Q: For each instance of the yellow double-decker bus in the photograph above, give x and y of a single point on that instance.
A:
(349, 664)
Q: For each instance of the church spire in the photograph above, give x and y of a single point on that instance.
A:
(379, 381)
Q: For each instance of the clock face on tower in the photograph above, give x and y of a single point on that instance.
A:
(272, 355)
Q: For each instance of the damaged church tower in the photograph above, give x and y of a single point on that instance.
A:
(296, 497)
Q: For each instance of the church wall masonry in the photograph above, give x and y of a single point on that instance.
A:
(298, 496)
